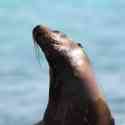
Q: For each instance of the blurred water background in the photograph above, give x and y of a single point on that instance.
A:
(98, 25)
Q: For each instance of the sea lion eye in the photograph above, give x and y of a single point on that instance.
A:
(63, 35)
(56, 31)
(60, 33)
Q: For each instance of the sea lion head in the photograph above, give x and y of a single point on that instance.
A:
(58, 48)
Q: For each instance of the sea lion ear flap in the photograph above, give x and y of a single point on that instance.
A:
(80, 45)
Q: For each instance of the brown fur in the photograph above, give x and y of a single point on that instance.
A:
(74, 97)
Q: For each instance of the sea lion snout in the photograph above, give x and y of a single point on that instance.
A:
(44, 35)
(50, 41)
(40, 33)
(35, 30)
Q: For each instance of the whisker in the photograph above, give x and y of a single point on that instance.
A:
(38, 54)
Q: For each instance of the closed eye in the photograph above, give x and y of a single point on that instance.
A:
(56, 31)
(60, 33)
(63, 35)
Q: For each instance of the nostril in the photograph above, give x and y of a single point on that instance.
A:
(36, 29)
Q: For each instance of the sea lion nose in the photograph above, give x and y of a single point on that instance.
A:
(36, 30)
(40, 30)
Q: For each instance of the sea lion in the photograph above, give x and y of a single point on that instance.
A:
(74, 97)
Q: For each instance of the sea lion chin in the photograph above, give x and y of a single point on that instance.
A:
(74, 97)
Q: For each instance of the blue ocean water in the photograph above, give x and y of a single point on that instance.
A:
(98, 25)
